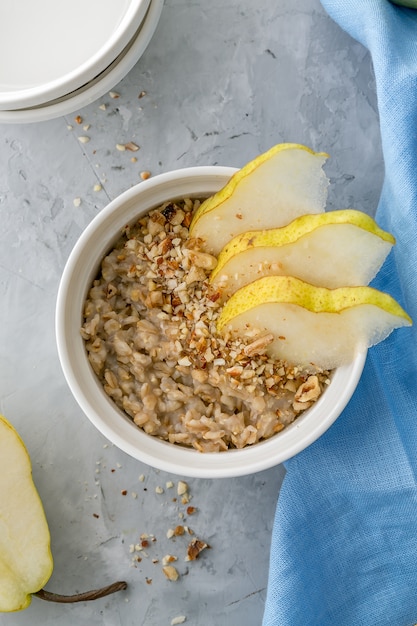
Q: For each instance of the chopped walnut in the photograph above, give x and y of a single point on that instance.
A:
(182, 487)
(195, 274)
(169, 558)
(195, 547)
(259, 345)
(201, 259)
(301, 406)
(131, 146)
(308, 391)
(171, 572)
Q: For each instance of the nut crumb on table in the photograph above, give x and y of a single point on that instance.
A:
(150, 334)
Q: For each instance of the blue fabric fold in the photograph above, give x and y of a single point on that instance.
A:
(344, 542)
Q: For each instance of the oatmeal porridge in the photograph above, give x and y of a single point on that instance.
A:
(150, 333)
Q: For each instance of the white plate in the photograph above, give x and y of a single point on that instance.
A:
(101, 84)
(48, 48)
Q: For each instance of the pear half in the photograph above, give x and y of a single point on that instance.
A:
(25, 555)
(314, 327)
(268, 192)
(336, 249)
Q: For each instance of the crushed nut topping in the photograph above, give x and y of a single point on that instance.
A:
(310, 390)
(150, 333)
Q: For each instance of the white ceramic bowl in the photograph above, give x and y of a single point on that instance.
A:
(82, 267)
(101, 84)
(52, 48)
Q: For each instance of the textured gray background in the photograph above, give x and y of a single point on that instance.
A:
(223, 82)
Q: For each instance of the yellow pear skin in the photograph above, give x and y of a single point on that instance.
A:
(313, 327)
(334, 249)
(268, 192)
(25, 555)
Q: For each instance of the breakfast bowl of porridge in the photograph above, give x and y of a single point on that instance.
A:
(148, 350)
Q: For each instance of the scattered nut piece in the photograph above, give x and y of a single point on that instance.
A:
(79, 119)
(121, 147)
(145, 175)
(171, 572)
(131, 146)
(103, 107)
(77, 202)
(169, 484)
(83, 139)
(182, 487)
(159, 489)
(86, 126)
(141, 478)
(97, 187)
(180, 619)
(114, 94)
(195, 547)
(179, 530)
(142, 94)
(169, 558)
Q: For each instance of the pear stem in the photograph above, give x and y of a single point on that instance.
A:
(94, 594)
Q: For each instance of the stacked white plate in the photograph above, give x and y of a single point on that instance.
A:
(58, 56)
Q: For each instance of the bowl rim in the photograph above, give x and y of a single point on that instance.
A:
(77, 276)
(131, 18)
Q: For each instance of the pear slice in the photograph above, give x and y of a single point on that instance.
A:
(26, 562)
(25, 555)
(313, 327)
(268, 192)
(335, 249)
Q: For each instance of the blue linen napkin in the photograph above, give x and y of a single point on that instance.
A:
(344, 543)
